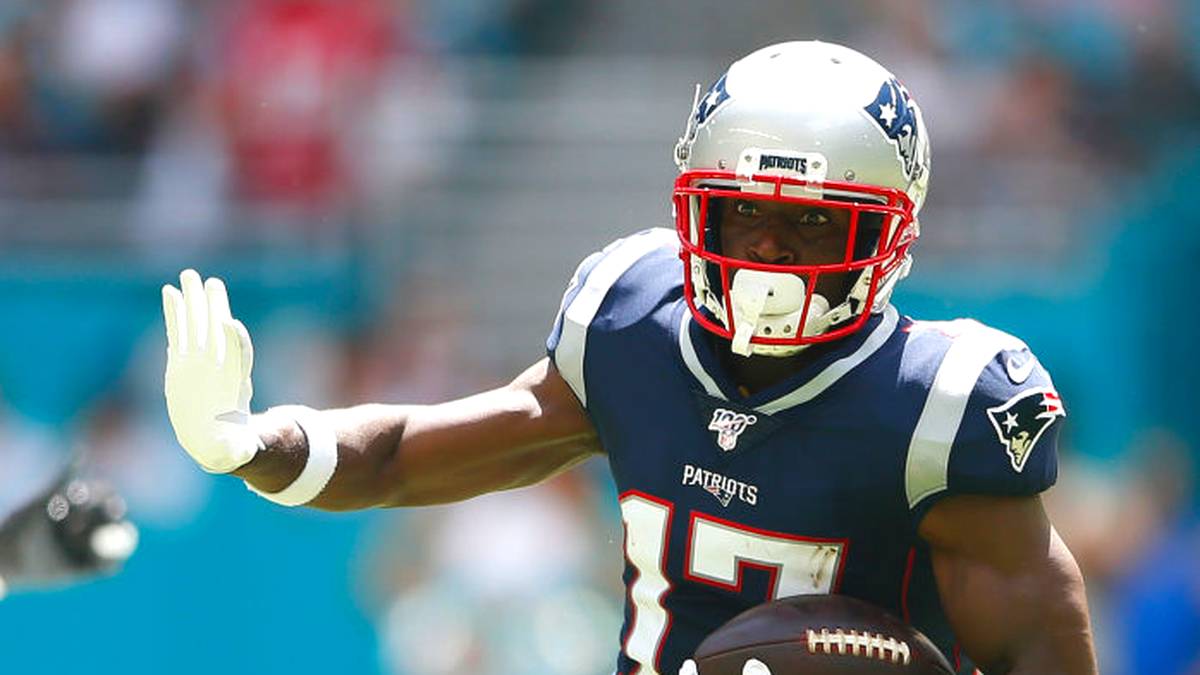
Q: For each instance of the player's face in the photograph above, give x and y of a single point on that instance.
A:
(787, 234)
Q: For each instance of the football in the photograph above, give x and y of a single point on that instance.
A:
(816, 635)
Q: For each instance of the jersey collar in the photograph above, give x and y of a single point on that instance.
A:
(699, 359)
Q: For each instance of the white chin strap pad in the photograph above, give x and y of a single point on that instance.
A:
(769, 304)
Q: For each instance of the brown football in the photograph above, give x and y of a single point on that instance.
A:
(817, 635)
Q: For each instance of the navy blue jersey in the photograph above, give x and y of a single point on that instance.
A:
(815, 485)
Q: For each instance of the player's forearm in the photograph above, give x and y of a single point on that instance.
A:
(367, 440)
(1061, 643)
(392, 455)
(1068, 655)
(1045, 629)
(1063, 650)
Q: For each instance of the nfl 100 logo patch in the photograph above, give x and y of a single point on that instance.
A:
(729, 425)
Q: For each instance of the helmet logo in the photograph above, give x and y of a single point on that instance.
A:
(703, 108)
(712, 100)
(896, 113)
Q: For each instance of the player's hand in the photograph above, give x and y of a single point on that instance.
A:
(209, 357)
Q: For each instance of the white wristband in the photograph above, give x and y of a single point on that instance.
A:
(322, 458)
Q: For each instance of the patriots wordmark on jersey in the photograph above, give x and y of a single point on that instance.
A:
(815, 485)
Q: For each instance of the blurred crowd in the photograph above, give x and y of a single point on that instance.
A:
(322, 154)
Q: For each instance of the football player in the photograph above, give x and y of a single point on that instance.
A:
(773, 424)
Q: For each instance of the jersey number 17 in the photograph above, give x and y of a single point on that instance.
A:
(717, 553)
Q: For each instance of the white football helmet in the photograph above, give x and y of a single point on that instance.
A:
(809, 123)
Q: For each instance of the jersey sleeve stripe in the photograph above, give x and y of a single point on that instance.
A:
(926, 467)
(579, 313)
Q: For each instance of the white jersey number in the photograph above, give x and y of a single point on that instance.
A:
(717, 552)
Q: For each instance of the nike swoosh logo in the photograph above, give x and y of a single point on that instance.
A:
(1019, 373)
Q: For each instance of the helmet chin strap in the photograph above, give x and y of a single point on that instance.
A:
(769, 304)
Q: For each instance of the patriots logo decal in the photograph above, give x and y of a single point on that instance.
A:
(896, 114)
(712, 100)
(1022, 420)
(722, 494)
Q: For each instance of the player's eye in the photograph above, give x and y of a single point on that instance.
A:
(814, 218)
(745, 208)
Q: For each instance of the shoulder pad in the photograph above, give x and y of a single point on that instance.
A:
(987, 425)
(592, 282)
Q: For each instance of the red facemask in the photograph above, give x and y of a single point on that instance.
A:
(882, 227)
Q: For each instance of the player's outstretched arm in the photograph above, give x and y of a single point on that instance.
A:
(410, 455)
(364, 456)
(1010, 586)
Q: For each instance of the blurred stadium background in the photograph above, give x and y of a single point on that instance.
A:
(396, 193)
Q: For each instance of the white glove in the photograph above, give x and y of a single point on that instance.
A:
(209, 357)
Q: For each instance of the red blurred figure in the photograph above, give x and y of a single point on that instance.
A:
(291, 75)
